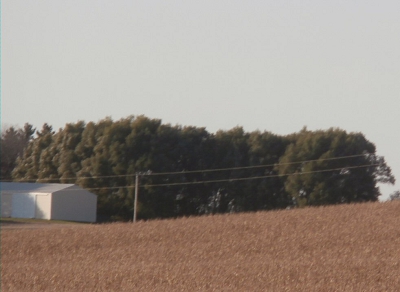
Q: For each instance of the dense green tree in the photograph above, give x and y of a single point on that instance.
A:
(196, 153)
(231, 153)
(315, 177)
(188, 171)
(13, 142)
(68, 158)
(10, 138)
(267, 191)
(36, 162)
(394, 196)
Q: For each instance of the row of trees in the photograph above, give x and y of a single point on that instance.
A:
(256, 170)
(13, 142)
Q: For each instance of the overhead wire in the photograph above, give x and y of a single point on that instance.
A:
(259, 177)
(231, 179)
(192, 171)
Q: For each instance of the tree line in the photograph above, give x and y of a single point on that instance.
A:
(186, 170)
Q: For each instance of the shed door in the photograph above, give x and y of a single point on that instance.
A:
(23, 206)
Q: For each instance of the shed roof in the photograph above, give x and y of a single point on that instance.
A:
(34, 187)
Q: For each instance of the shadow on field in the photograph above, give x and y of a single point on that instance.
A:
(19, 223)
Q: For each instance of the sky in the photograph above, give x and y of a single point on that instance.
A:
(265, 65)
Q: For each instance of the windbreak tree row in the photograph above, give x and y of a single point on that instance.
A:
(13, 143)
(189, 171)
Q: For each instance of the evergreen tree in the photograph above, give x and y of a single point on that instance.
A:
(13, 143)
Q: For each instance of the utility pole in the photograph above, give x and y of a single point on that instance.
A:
(136, 196)
(137, 176)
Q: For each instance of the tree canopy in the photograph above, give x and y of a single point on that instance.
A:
(187, 170)
(13, 142)
(351, 179)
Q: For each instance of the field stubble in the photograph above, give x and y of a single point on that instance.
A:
(336, 248)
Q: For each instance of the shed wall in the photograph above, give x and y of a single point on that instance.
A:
(43, 206)
(74, 205)
(23, 205)
(6, 204)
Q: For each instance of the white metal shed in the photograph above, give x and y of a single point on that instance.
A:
(47, 201)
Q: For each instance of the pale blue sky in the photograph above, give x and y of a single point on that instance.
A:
(266, 65)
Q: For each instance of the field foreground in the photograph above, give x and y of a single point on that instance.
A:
(338, 248)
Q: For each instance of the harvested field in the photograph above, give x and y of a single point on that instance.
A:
(338, 248)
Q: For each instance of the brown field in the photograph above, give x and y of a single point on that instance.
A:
(338, 248)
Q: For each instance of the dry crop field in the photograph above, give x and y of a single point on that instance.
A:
(337, 248)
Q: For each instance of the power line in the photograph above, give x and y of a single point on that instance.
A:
(194, 171)
(254, 166)
(260, 177)
(230, 180)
